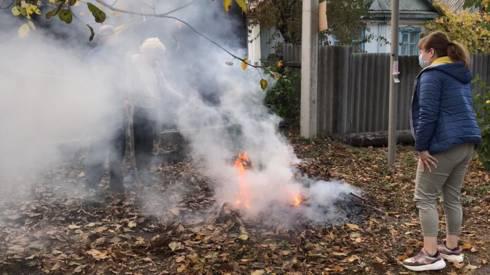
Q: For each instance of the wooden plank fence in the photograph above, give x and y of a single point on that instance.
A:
(353, 88)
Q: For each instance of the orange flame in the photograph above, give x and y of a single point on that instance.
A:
(298, 199)
(242, 163)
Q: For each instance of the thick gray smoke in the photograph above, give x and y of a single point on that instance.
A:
(57, 90)
(49, 96)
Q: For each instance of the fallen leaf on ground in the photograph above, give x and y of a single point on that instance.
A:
(175, 245)
(353, 226)
(98, 255)
(73, 226)
(132, 224)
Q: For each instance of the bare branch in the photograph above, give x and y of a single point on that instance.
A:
(167, 15)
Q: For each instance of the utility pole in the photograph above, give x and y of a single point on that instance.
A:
(394, 81)
(309, 69)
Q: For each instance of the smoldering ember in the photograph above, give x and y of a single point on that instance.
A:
(165, 137)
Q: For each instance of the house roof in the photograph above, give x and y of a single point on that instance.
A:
(409, 9)
(454, 5)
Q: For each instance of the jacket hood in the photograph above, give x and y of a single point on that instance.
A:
(456, 70)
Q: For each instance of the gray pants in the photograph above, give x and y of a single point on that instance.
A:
(446, 180)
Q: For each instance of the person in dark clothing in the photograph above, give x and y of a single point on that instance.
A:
(144, 132)
(141, 103)
(113, 149)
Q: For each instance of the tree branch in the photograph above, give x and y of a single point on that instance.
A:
(167, 15)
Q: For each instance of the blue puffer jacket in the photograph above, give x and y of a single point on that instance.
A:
(442, 109)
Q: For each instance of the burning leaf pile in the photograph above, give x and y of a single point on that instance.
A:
(242, 163)
(176, 226)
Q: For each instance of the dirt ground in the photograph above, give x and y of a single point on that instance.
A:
(56, 230)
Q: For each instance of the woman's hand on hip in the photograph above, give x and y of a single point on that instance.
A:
(427, 160)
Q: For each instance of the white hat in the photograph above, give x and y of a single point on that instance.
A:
(152, 46)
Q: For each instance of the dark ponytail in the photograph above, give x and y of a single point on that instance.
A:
(442, 46)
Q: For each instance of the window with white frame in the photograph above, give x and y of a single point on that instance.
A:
(409, 37)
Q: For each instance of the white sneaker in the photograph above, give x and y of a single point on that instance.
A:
(451, 255)
(423, 262)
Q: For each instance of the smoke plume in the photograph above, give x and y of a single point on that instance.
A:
(61, 90)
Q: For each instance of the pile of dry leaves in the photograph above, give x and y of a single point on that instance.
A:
(59, 231)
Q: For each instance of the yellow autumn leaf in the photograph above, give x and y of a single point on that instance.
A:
(467, 246)
(242, 4)
(30, 9)
(227, 5)
(243, 236)
(264, 84)
(244, 64)
(16, 10)
(465, 26)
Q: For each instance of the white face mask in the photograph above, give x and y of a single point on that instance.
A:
(423, 64)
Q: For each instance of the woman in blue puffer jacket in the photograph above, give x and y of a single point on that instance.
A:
(446, 132)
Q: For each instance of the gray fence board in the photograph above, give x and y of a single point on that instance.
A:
(353, 88)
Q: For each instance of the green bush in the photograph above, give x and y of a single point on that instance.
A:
(482, 106)
(284, 97)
